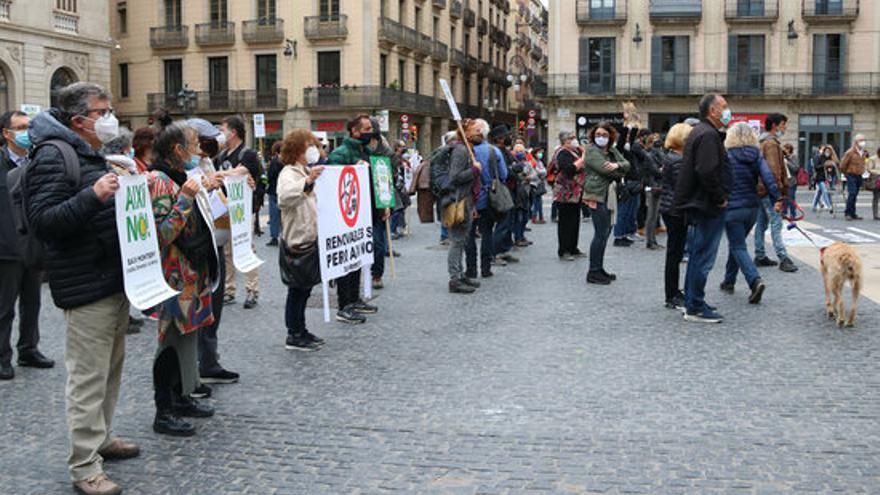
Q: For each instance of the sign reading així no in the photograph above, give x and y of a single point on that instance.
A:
(240, 204)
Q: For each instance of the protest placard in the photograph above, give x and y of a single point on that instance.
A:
(240, 203)
(383, 182)
(144, 282)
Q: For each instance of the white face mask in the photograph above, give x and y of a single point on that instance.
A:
(601, 141)
(312, 155)
(221, 139)
(107, 128)
(862, 145)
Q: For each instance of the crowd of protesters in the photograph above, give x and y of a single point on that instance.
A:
(702, 179)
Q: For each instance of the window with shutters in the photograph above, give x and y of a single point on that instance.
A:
(267, 75)
(173, 76)
(173, 13)
(266, 11)
(596, 65)
(750, 8)
(829, 7)
(418, 80)
(122, 17)
(670, 64)
(329, 10)
(383, 70)
(219, 12)
(401, 73)
(745, 64)
(123, 80)
(829, 57)
(68, 6)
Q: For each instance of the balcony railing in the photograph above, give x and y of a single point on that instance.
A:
(470, 18)
(471, 64)
(169, 37)
(374, 97)
(319, 28)
(65, 23)
(457, 58)
(818, 11)
(440, 4)
(215, 33)
(439, 51)
(676, 11)
(588, 15)
(483, 26)
(390, 31)
(424, 45)
(788, 85)
(222, 101)
(269, 30)
(751, 10)
(455, 9)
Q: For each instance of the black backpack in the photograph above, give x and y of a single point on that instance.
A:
(440, 160)
(32, 250)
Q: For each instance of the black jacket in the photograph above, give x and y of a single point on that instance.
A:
(9, 245)
(275, 167)
(671, 167)
(705, 179)
(82, 248)
(250, 160)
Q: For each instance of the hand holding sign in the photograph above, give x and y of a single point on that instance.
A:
(106, 186)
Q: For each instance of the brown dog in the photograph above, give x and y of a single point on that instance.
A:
(840, 263)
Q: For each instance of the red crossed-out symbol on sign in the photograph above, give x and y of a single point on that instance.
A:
(349, 196)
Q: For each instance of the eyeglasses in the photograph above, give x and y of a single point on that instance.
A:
(102, 112)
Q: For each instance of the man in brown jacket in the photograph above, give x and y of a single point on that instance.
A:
(771, 149)
(853, 166)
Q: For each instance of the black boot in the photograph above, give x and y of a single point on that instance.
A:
(187, 407)
(167, 423)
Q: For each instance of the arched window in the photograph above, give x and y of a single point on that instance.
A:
(61, 78)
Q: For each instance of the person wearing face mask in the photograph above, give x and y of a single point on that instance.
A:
(524, 175)
(539, 186)
(853, 167)
(823, 171)
(78, 227)
(142, 143)
(18, 281)
(703, 187)
(300, 154)
(359, 146)
(773, 153)
(191, 266)
(874, 183)
(119, 153)
(567, 191)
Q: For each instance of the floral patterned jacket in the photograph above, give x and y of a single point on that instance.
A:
(177, 216)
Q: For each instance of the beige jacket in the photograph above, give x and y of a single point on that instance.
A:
(299, 209)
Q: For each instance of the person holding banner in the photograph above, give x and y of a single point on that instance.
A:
(463, 171)
(78, 226)
(190, 264)
(353, 150)
(300, 152)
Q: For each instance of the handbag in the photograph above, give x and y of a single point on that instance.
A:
(500, 199)
(299, 265)
(453, 213)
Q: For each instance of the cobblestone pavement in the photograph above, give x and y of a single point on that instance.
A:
(537, 384)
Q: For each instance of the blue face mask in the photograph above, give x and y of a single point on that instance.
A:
(520, 156)
(726, 117)
(23, 139)
(131, 154)
(193, 162)
(779, 134)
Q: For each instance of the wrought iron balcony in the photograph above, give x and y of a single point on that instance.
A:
(483, 26)
(320, 28)
(751, 11)
(439, 52)
(471, 64)
(424, 45)
(169, 37)
(676, 11)
(830, 11)
(455, 9)
(588, 15)
(221, 101)
(268, 30)
(440, 4)
(470, 18)
(374, 97)
(756, 84)
(390, 31)
(215, 33)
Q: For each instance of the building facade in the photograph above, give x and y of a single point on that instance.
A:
(316, 63)
(817, 61)
(48, 44)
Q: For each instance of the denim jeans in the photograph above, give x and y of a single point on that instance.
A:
(484, 223)
(704, 250)
(853, 184)
(601, 229)
(444, 233)
(520, 219)
(397, 219)
(380, 246)
(766, 214)
(538, 207)
(652, 198)
(627, 211)
(502, 240)
(738, 223)
(792, 193)
(822, 195)
(295, 310)
(458, 239)
(274, 217)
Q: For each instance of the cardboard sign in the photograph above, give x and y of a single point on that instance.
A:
(450, 99)
(240, 203)
(144, 282)
(345, 225)
(259, 125)
(383, 181)
(382, 117)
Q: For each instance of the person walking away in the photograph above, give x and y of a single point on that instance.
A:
(775, 156)
(74, 223)
(567, 193)
(605, 164)
(300, 153)
(356, 148)
(701, 193)
(853, 167)
(19, 282)
(675, 221)
(463, 171)
(274, 169)
(747, 167)
(237, 153)
(503, 242)
(492, 166)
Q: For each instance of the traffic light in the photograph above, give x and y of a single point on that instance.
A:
(415, 132)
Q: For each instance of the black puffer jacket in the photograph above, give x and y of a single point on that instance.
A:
(9, 238)
(82, 248)
(671, 167)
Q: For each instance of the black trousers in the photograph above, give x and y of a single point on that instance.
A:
(348, 289)
(209, 358)
(568, 228)
(166, 379)
(485, 224)
(18, 283)
(676, 239)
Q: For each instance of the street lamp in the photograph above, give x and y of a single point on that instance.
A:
(517, 79)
